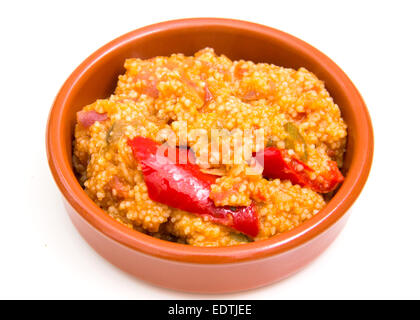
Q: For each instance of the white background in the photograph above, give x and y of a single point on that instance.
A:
(375, 42)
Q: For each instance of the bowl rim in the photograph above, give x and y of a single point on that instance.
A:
(74, 194)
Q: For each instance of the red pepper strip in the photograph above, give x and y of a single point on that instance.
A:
(329, 180)
(279, 164)
(87, 118)
(185, 187)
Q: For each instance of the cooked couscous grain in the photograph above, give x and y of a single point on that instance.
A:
(184, 99)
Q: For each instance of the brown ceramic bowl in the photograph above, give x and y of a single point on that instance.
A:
(186, 267)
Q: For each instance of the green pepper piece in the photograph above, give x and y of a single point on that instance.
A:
(240, 237)
(294, 135)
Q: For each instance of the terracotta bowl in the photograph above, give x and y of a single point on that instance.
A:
(184, 267)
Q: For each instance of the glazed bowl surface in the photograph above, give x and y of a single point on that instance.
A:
(186, 267)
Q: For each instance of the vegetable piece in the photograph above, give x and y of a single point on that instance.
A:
(295, 136)
(240, 70)
(87, 118)
(149, 83)
(329, 180)
(208, 96)
(109, 133)
(151, 89)
(202, 93)
(251, 95)
(116, 131)
(214, 172)
(240, 237)
(118, 188)
(181, 184)
(279, 164)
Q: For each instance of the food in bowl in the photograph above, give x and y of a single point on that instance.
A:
(207, 151)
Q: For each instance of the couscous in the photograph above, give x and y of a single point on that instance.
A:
(207, 151)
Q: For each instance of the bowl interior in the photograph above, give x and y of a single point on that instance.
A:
(97, 77)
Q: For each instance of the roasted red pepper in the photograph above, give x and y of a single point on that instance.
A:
(181, 185)
(279, 164)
